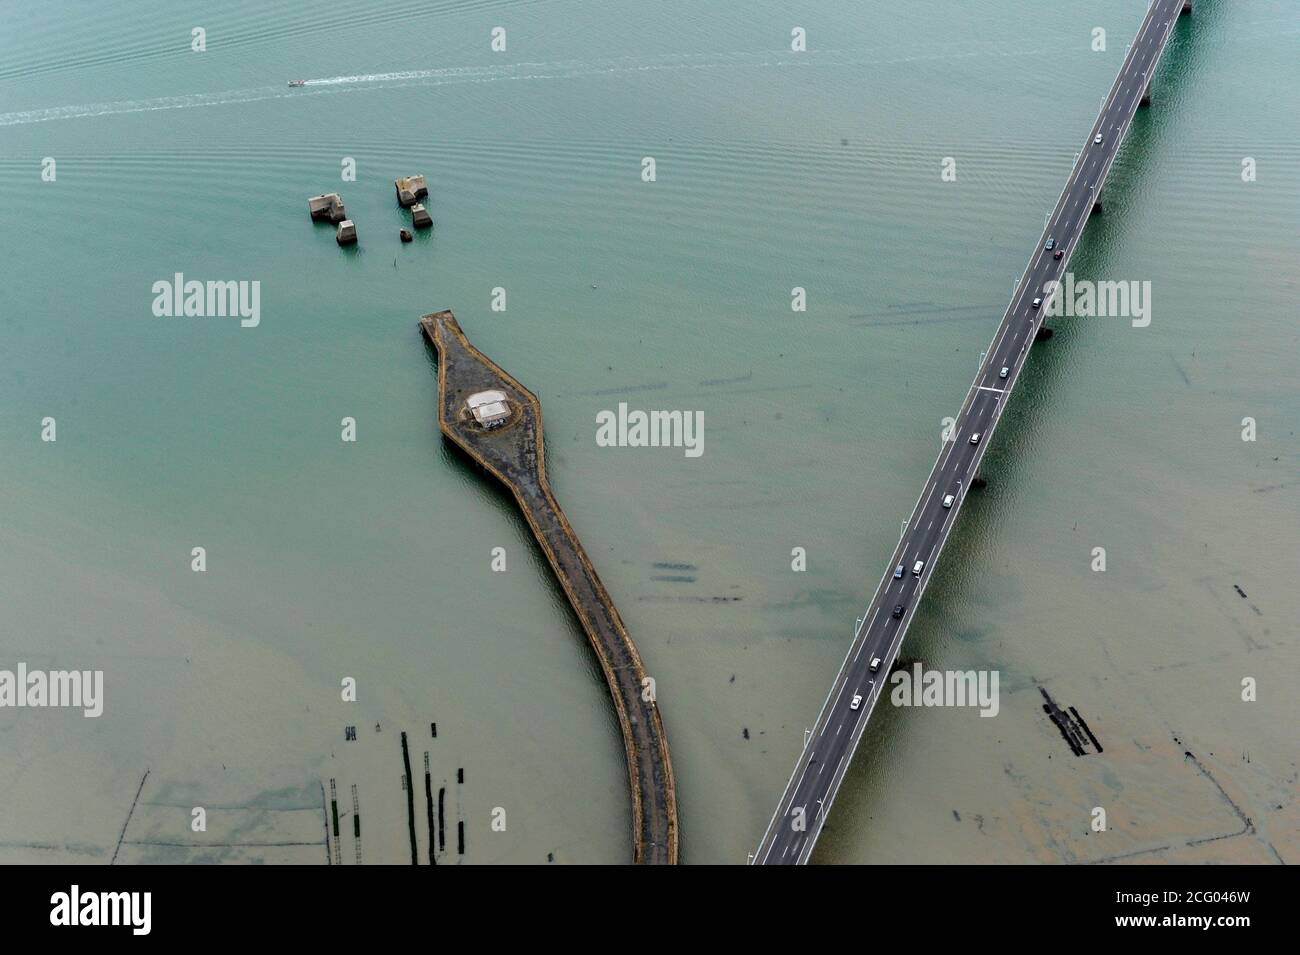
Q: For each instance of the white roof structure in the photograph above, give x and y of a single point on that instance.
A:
(490, 408)
(480, 398)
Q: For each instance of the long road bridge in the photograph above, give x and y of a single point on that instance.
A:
(860, 682)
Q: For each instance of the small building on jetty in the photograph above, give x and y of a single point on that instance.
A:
(491, 409)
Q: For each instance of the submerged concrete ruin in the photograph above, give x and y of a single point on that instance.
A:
(410, 189)
(327, 207)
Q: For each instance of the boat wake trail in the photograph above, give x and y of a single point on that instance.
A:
(433, 77)
(557, 70)
(25, 117)
(565, 69)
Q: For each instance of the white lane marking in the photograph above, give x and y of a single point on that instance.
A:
(1001, 335)
(931, 494)
(863, 642)
(1000, 391)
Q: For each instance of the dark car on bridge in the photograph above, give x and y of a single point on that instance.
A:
(898, 611)
(1058, 253)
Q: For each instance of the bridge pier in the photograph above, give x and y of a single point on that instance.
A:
(1096, 204)
(1187, 8)
(1146, 96)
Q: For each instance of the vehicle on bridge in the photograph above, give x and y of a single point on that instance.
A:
(857, 701)
(975, 438)
(898, 611)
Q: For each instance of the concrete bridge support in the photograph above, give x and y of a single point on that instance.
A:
(1146, 93)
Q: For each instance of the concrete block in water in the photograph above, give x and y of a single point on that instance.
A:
(328, 207)
(405, 235)
(420, 217)
(346, 233)
(410, 189)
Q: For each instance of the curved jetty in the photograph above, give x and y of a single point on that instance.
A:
(501, 430)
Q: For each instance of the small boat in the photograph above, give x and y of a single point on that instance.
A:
(297, 82)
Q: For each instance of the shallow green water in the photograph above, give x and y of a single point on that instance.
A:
(774, 169)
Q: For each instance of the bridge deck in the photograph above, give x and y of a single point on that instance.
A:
(834, 738)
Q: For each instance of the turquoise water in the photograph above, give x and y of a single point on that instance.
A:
(774, 169)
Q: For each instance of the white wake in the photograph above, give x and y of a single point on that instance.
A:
(566, 69)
